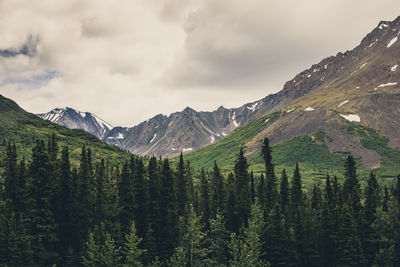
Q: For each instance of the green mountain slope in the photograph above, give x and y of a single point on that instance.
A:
(24, 129)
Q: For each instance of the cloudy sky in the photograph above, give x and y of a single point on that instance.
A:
(128, 60)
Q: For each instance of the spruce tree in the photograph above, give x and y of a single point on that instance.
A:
(284, 192)
(230, 212)
(139, 187)
(217, 190)
(132, 251)
(168, 214)
(271, 190)
(242, 192)
(296, 194)
(66, 198)
(153, 233)
(246, 249)
(126, 198)
(348, 251)
(351, 188)
(252, 188)
(372, 202)
(41, 217)
(204, 201)
(100, 202)
(218, 238)
(182, 187)
(261, 192)
(192, 249)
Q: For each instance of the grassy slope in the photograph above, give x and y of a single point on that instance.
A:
(24, 128)
(310, 151)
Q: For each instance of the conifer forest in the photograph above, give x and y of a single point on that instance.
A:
(149, 212)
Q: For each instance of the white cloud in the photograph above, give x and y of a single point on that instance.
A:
(127, 60)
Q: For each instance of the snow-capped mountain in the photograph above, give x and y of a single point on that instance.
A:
(75, 119)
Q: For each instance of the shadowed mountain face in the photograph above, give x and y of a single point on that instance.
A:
(356, 87)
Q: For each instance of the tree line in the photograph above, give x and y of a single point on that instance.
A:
(146, 212)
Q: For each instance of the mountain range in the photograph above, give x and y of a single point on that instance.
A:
(339, 103)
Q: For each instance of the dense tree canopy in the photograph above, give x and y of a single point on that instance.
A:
(145, 212)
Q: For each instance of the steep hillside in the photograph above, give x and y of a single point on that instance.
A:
(352, 100)
(24, 128)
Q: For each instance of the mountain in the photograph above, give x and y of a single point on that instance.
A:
(161, 135)
(358, 85)
(23, 128)
(185, 131)
(74, 119)
(348, 103)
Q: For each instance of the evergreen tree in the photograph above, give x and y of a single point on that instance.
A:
(192, 250)
(83, 193)
(348, 250)
(101, 202)
(218, 238)
(316, 198)
(253, 235)
(42, 222)
(168, 214)
(284, 192)
(296, 194)
(139, 188)
(230, 211)
(261, 192)
(91, 258)
(11, 177)
(132, 251)
(242, 193)
(351, 188)
(66, 198)
(271, 190)
(217, 190)
(126, 197)
(204, 202)
(252, 188)
(372, 201)
(385, 199)
(182, 187)
(153, 233)
(329, 193)
(110, 253)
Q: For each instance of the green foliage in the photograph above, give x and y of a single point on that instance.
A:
(25, 128)
(132, 252)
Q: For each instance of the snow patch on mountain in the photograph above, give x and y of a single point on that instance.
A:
(309, 109)
(387, 84)
(154, 137)
(343, 103)
(392, 42)
(234, 120)
(212, 139)
(351, 117)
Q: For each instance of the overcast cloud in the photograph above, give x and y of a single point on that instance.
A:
(128, 60)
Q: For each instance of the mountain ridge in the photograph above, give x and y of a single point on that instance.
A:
(189, 130)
